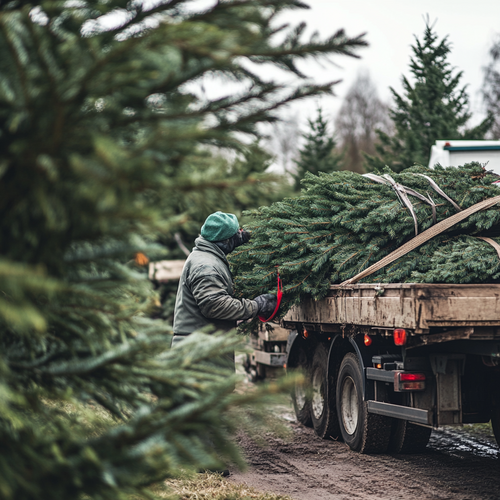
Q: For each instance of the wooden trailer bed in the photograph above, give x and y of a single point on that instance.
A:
(417, 307)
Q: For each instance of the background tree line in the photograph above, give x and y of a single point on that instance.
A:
(368, 133)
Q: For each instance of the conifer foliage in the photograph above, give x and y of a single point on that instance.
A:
(344, 222)
(434, 106)
(97, 116)
(318, 152)
(231, 184)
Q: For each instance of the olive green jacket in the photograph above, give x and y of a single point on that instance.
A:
(205, 293)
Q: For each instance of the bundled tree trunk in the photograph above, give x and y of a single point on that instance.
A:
(344, 222)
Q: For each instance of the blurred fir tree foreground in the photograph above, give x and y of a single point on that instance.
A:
(104, 137)
(344, 222)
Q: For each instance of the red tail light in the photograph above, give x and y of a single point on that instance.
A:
(409, 381)
(367, 340)
(411, 377)
(399, 336)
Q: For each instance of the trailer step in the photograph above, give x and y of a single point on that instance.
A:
(402, 412)
(270, 358)
(380, 375)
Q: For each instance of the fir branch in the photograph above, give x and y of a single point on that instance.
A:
(5, 20)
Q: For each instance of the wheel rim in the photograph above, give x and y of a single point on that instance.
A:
(350, 407)
(318, 399)
(300, 396)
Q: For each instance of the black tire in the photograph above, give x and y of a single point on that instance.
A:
(408, 438)
(301, 393)
(323, 414)
(362, 431)
(261, 371)
(253, 373)
(495, 423)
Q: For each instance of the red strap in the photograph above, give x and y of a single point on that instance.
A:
(278, 302)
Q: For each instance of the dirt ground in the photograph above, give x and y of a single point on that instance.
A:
(457, 464)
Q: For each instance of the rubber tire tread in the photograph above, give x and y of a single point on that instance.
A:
(495, 424)
(303, 414)
(373, 431)
(408, 438)
(327, 426)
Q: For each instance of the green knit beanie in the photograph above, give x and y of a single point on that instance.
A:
(220, 226)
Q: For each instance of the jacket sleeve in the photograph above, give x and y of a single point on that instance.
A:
(210, 293)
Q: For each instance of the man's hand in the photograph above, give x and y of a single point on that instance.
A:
(267, 304)
(245, 236)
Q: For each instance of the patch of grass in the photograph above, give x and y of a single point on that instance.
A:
(482, 430)
(209, 486)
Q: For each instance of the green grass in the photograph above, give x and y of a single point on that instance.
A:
(480, 430)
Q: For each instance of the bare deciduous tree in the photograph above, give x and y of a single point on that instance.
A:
(284, 142)
(360, 115)
(491, 87)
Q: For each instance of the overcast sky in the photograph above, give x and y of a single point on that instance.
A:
(390, 25)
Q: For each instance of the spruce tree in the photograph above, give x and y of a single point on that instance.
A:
(96, 124)
(433, 106)
(318, 152)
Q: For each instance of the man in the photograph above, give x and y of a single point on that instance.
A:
(205, 293)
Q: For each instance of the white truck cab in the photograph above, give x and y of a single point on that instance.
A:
(454, 153)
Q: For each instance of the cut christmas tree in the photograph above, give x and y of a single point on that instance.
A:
(344, 222)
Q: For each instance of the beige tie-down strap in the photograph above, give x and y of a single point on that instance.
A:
(426, 236)
(493, 243)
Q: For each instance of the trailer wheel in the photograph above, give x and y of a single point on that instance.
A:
(255, 372)
(408, 438)
(495, 423)
(323, 414)
(362, 431)
(301, 393)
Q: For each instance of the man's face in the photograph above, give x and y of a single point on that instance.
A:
(240, 238)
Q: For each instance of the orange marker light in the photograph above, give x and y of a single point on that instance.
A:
(141, 259)
(399, 336)
(367, 340)
(306, 334)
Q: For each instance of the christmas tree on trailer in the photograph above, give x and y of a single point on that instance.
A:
(344, 222)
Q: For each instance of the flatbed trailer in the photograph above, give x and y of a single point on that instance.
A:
(386, 363)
